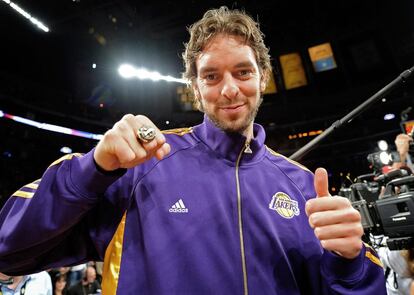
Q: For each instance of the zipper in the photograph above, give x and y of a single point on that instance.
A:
(246, 149)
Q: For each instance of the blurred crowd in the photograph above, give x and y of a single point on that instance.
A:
(84, 279)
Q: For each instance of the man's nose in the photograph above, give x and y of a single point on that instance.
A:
(230, 89)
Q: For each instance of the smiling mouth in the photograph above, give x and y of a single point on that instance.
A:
(232, 107)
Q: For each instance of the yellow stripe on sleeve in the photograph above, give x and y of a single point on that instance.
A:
(65, 157)
(32, 185)
(368, 246)
(373, 258)
(178, 131)
(287, 159)
(22, 194)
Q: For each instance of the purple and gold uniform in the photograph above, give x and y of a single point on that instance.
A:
(216, 216)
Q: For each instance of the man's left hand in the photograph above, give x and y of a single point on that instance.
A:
(335, 222)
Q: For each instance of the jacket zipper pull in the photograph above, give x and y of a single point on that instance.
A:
(247, 149)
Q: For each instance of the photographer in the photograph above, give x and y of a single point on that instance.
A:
(399, 265)
(402, 143)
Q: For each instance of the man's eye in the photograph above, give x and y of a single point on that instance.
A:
(211, 77)
(244, 72)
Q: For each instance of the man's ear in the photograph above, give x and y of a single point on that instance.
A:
(264, 79)
(195, 89)
(197, 95)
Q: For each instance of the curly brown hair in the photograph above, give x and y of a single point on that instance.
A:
(230, 22)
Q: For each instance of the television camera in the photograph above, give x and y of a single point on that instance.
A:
(386, 204)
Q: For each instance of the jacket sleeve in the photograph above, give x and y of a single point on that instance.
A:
(361, 275)
(65, 218)
(338, 275)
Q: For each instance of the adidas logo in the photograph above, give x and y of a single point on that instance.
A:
(178, 207)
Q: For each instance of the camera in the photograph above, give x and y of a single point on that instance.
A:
(386, 204)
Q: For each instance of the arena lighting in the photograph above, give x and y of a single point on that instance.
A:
(27, 15)
(51, 127)
(385, 158)
(305, 134)
(128, 71)
(389, 117)
(383, 145)
(66, 150)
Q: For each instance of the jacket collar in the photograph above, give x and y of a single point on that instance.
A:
(228, 145)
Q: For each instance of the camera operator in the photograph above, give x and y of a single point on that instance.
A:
(399, 265)
(402, 143)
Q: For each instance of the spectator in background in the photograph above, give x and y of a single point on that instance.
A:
(88, 285)
(98, 265)
(59, 284)
(34, 284)
(62, 271)
(402, 143)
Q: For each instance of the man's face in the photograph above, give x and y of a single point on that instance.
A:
(229, 83)
(90, 274)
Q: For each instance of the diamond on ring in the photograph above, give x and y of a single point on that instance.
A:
(146, 134)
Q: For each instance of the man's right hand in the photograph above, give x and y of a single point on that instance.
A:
(120, 147)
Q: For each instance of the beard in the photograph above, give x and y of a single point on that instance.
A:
(239, 125)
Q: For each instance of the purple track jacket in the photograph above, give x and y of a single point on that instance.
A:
(215, 216)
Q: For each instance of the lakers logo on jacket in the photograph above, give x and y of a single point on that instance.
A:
(284, 205)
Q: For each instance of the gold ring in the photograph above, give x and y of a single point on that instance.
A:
(146, 134)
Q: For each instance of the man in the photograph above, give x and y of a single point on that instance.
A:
(399, 279)
(202, 210)
(402, 143)
(33, 284)
(88, 284)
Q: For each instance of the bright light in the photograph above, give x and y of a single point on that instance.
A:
(56, 128)
(93, 66)
(383, 145)
(27, 121)
(1, 113)
(389, 117)
(66, 150)
(27, 15)
(385, 158)
(127, 71)
(51, 127)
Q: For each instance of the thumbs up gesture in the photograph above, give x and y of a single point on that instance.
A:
(335, 222)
